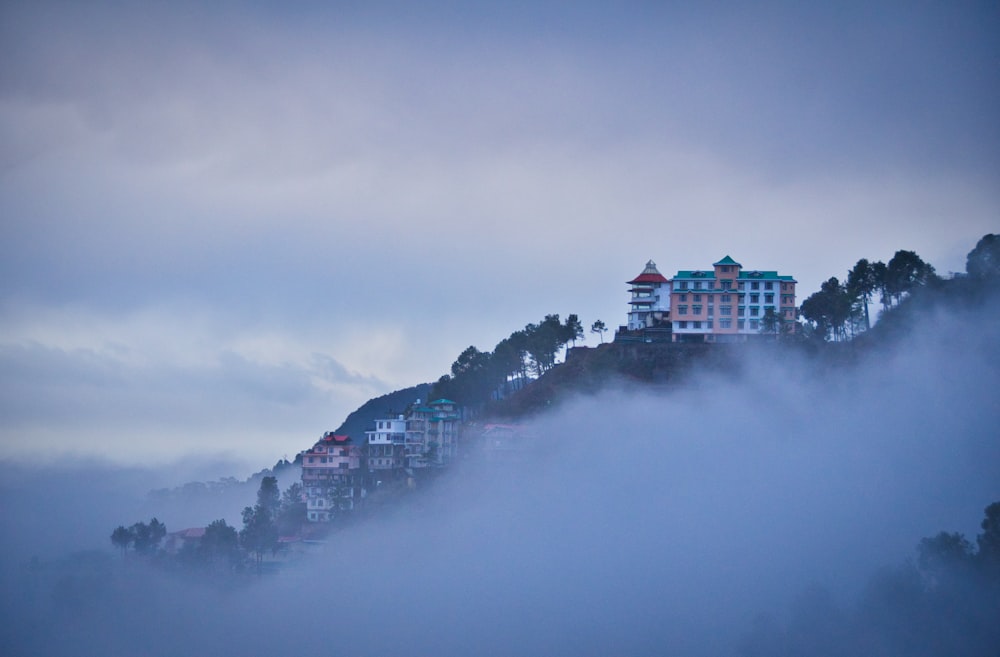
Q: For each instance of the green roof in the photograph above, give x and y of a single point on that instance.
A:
(755, 274)
(442, 401)
(726, 261)
(696, 273)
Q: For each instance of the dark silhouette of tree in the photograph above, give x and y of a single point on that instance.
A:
(510, 354)
(292, 514)
(599, 328)
(829, 309)
(140, 537)
(574, 329)
(220, 543)
(862, 282)
(943, 552)
(989, 540)
(543, 341)
(881, 275)
(121, 538)
(473, 377)
(260, 533)
(146, 538)
(984, 260)
(268, 496)
(157, 530)
(906, 271)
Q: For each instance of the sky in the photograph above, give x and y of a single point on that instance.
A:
(226, 226)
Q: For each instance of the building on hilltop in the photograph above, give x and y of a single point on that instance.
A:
(728, 304)
(649, 305)
(332, 476)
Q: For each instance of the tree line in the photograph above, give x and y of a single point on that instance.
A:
(944, 602)
(222, 545)
(840, 309)
(476, 376)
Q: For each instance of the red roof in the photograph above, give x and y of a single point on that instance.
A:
(649, 275)
(649, 278)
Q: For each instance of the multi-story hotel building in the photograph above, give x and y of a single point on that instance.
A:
(728, 304)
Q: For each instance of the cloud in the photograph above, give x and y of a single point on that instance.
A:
(640, 523)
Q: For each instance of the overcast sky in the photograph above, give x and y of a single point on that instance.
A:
(225, 227)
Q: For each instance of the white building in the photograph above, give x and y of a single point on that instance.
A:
(386, 445)
(649, 305)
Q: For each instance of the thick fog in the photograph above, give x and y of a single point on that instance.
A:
(641, 524)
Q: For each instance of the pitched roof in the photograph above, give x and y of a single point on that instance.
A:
(649, 275)
(726, 261)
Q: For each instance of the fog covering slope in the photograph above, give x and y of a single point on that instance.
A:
(641, 525)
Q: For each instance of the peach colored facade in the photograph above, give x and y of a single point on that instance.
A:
(728, 304)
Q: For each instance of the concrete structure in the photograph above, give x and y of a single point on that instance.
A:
(728, 304)
(337, 473)
(332, 477)
(649, 305)
(432, 434)
(386, 445)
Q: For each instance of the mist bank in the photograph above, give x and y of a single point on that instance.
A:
(641, 523)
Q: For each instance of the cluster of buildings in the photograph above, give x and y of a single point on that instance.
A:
(338, 471)
(723, 304)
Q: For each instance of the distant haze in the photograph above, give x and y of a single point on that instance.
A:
(641, 524)
(224, 227)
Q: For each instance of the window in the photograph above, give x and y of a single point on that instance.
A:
(725, 323)
(741, 286)
(769, 285)
(755, 285)
(754, 311)
(696, 309)
(754, 298)
(683, 297)
(769, 298)
(726, 298)
(697, 297)
(682, 285)
(754, 325)
(697, 285)
(726, 284)
(725, 310)
(696, 325)
(708, 324)
(682, 325)
(725, 268)
(682, 310)
(741, 324)
(742, 311)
